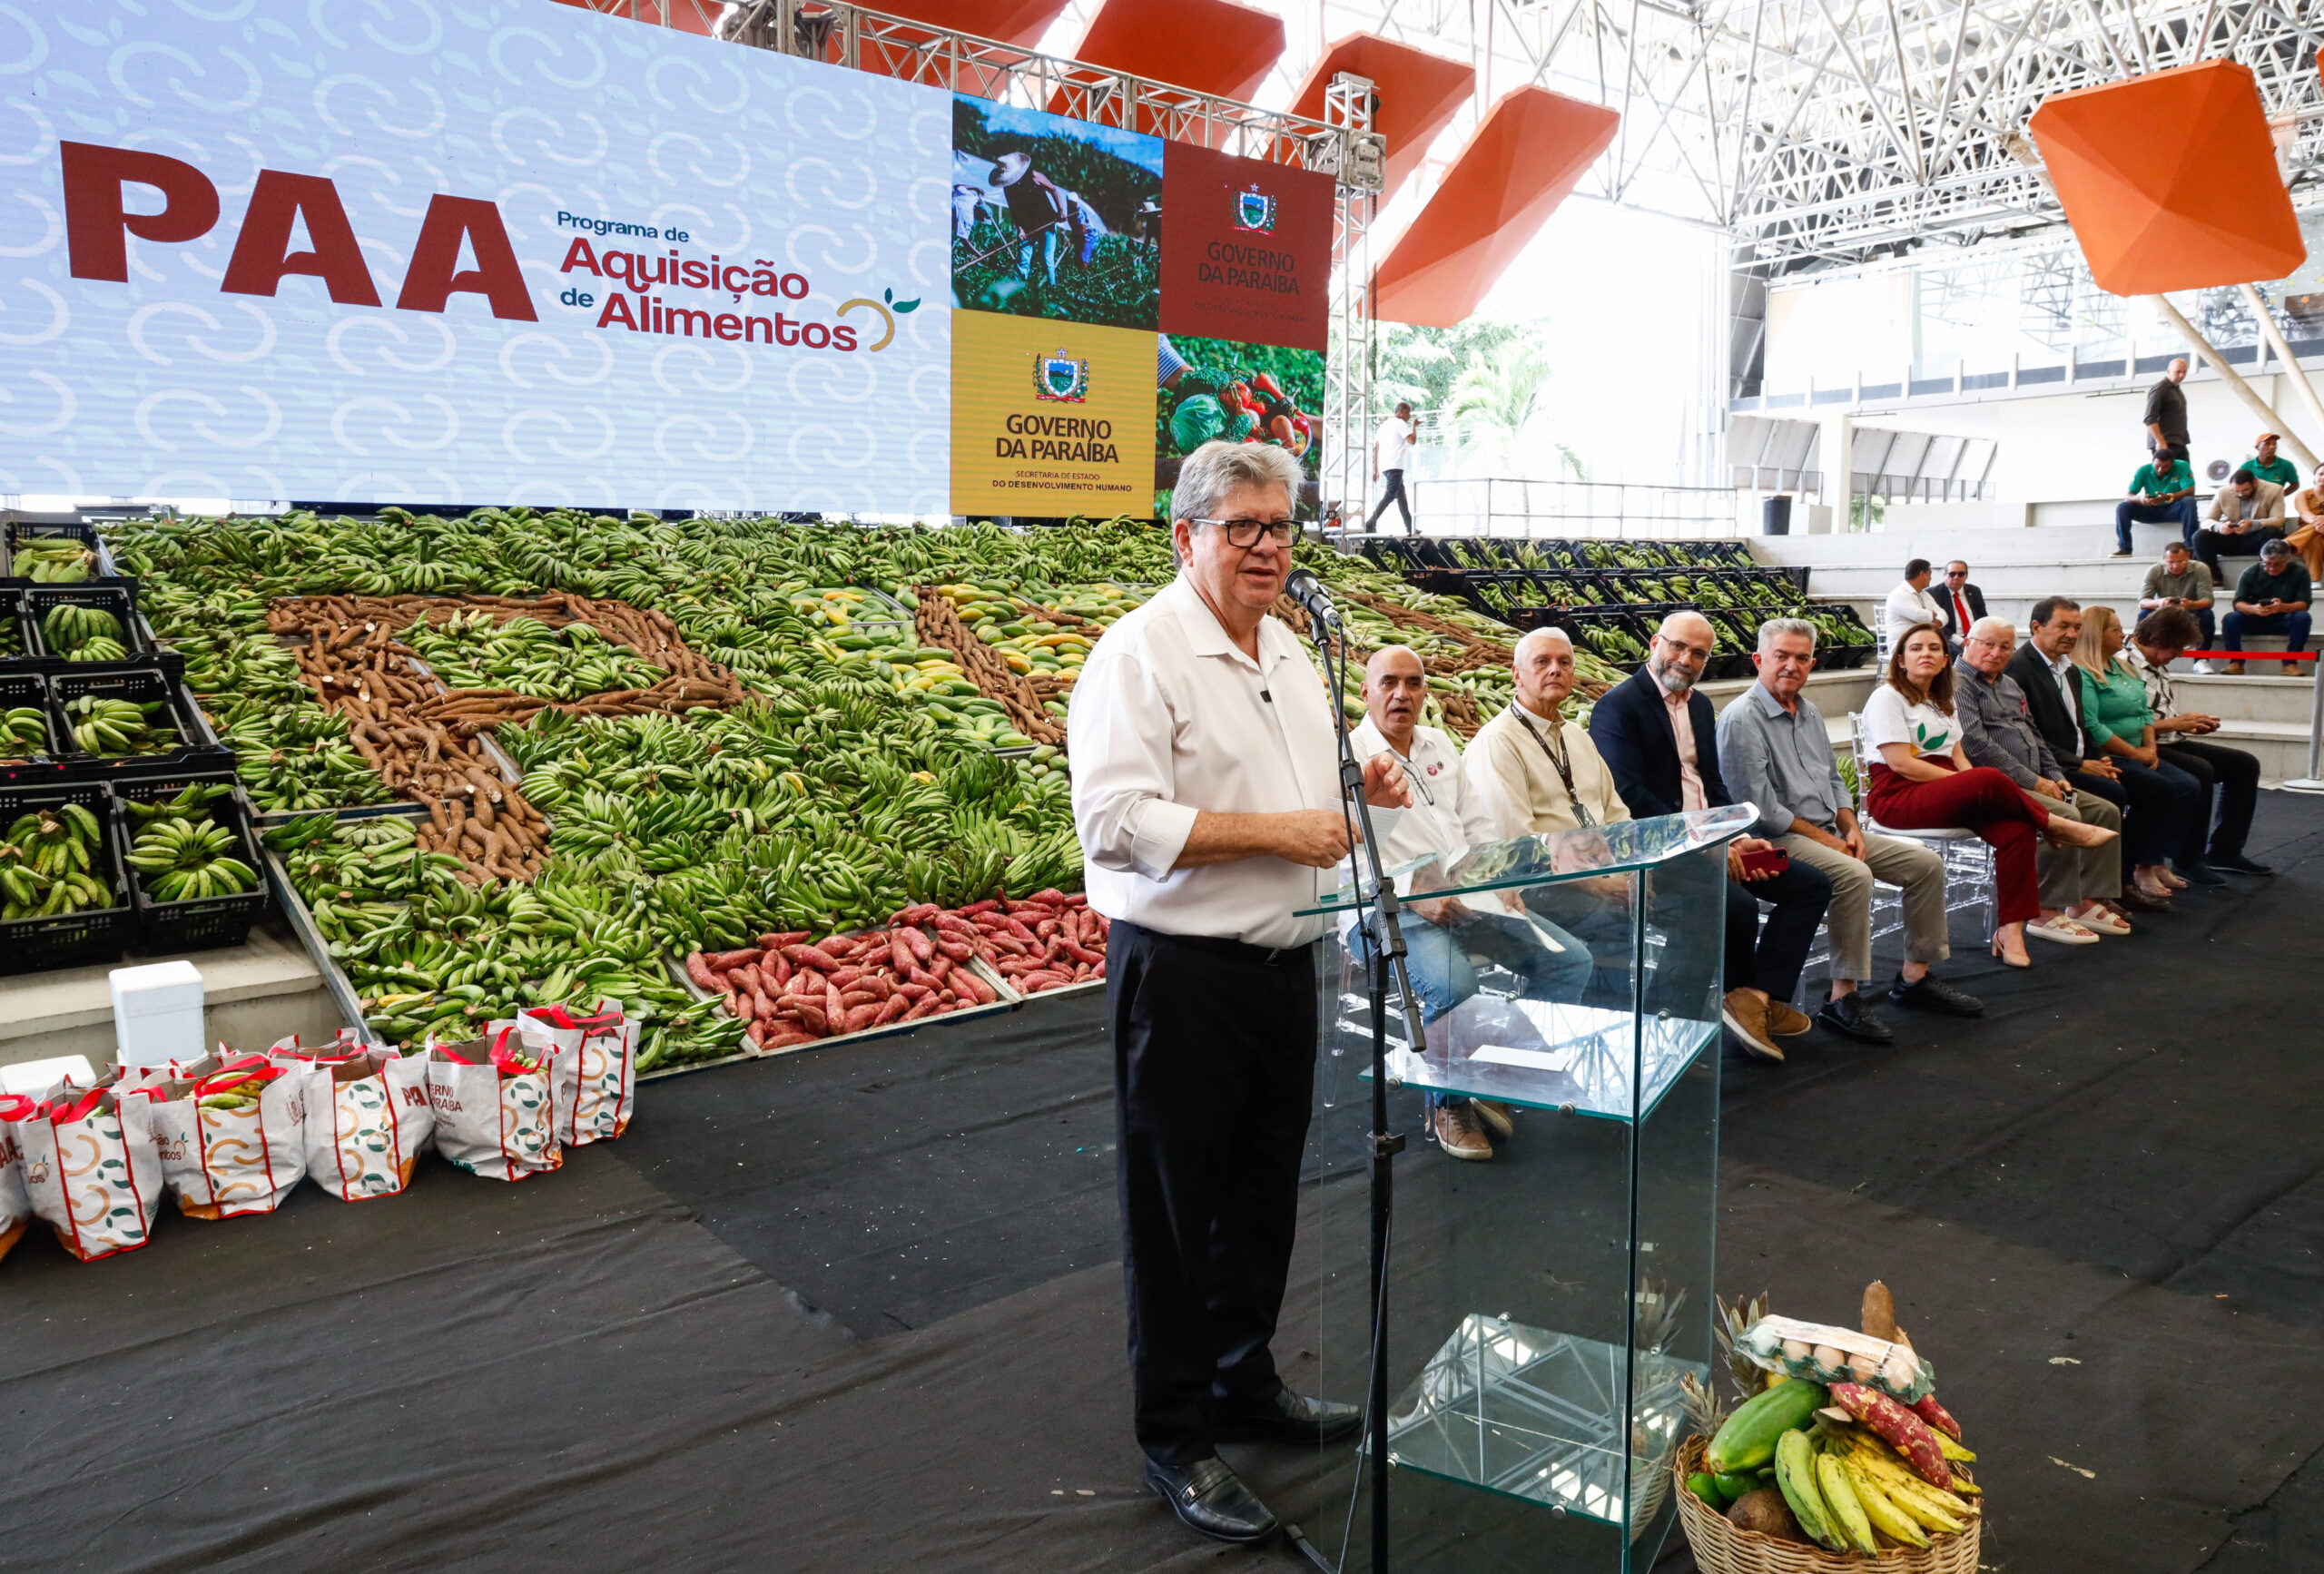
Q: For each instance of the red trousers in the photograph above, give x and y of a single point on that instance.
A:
(1981, 800)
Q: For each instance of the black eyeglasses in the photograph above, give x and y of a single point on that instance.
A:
(1246, 533)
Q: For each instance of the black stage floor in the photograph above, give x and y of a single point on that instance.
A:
(858, 1310)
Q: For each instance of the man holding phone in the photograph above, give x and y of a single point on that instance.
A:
(2182, 582)
(1779, 757)
(2272, 597)
(1657, 737)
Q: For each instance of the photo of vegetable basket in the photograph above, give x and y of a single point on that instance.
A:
(1838, 1457)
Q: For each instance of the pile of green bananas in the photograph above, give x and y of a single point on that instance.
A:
(1836, 628)
(103, 726)
(50, 865)
(53, 560)
(475, 651)
(83, 633)
(1611, 642)
(183, 853)
(298, 758)
(24, 731)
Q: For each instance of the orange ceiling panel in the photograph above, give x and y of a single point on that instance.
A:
(1213, 46)
(2170, 180)
(1007, 21)
(1527, 155)
(1419, 93)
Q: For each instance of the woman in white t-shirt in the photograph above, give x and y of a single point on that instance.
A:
(1922, 782)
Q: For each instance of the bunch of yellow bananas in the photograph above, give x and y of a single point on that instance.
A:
(189, 861)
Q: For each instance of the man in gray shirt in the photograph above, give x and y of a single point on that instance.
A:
(1998, 731)
(1775, 752)
(2179, 580)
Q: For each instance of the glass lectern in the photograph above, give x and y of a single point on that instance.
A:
(1543, 1305)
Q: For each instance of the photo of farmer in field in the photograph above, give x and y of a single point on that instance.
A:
(1244, 393)
(1055, 218)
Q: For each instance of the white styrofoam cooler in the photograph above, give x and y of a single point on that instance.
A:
(157, 1013)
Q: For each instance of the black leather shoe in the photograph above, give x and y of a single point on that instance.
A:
(1211, 1499)
(1931, 993)
(2235, 864)
(2198, 873)
(1851, 1017)
(1289, 1417)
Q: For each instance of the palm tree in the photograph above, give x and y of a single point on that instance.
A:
(1502, 394)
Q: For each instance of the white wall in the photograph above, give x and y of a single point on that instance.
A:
(1828, 330)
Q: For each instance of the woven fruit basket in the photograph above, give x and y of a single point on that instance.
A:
(1721, 1547)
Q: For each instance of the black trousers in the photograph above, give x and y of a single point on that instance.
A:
(1214, 1074)
(1771, 956)
(2210, 543)
(2231, 780)
(1392, 491)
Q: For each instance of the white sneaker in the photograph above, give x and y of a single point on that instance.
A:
(2203, 666)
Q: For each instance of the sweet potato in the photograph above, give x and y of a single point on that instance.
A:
(699, 970)
(724, 961)
(1937, 1415)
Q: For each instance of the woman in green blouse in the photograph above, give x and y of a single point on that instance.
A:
(2116, 721)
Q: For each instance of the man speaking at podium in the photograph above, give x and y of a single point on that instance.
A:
(1206, 792)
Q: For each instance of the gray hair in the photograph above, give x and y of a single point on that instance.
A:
(1777, 628)
(1993, 629)
(1216, 468)
(1530, 635)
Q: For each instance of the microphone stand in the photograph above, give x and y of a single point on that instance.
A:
(1386, 955)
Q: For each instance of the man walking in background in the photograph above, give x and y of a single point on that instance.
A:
(2162, 492)
(2166, 414)
(1391, 445)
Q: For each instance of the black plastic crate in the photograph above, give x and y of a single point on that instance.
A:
(1582, 623)
(213, 921)
(141, 685)
(20, 530)
(43, 766)
(34, 945)
(118, 597)
(1830, 657)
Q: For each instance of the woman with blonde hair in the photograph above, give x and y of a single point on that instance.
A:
(2120, 726)
(1922, 781)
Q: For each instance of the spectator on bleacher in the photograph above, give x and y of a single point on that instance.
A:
(2307, 538)
(2166, 414)
(2077, 883)
(1910, 606)
(1962, 603)
(2045, 670)
(2272, 597)
(2164, 800)
(2182, 582)
(1441, 934)
(2264, 464)
(2247, 514)
(1777, 755)
(1923, 781)
(2229, 777)
(2162, 492)
(1658, 737)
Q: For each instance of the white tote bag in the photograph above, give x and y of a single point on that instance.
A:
(15, 1207)
(368, 1122)
(231, 1140)
(593, 1064)
(89, 1166)
(495, 1113)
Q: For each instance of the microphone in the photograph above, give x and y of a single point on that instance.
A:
(1308, 592)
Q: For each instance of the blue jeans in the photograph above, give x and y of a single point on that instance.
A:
(2126, 514)
(1436, 956)
(2293, 626)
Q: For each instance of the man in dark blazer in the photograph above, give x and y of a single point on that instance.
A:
(2045, 670)
(1660, 741)
(1963, 603)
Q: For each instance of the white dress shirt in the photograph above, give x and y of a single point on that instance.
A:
(1168, 719)
(1444, 817)
(1908, 609)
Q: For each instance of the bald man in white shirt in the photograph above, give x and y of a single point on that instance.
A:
(1208, 795)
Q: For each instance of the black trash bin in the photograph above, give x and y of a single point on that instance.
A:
(1775, 517)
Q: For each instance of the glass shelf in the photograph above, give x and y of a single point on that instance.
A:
(1542, 1055)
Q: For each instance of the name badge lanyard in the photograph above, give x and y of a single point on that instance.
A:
(1557, 756)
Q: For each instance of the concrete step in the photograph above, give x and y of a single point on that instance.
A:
(252, 995)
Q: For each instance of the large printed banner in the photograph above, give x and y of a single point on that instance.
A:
(422, 253)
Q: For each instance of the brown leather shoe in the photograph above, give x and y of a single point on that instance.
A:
(1496, 1118)
(1746, 1016)
(1455, 1129)
(1785, 1022)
